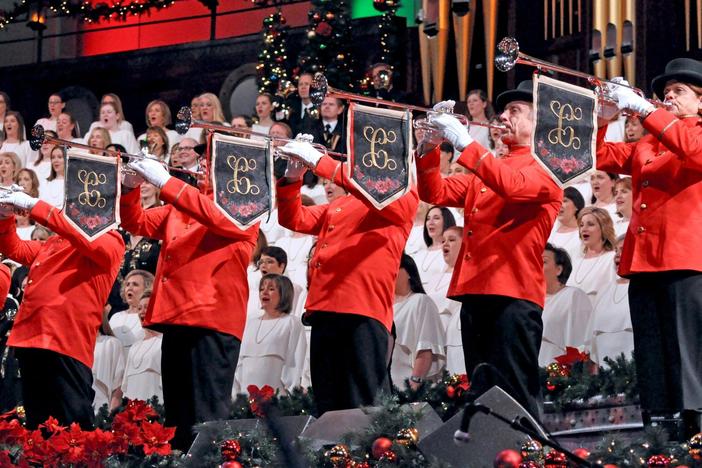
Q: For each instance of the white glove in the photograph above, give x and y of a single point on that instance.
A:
(151, 170)
(454, 131)
(445, 106)
(19, 199)
(304, 151)
(626, 98)
(295, 170)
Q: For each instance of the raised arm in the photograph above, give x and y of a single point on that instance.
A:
(397, 212)
(682, 139)
(294, 216)
(189, 200)
(13, 247)
(148, 223)
(527, 184)
(434, 189)
(613, 157)
(106, 251)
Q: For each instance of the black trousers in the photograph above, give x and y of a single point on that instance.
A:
(666, 315)
(349, 357)
(197, 371)
(505, 333)
(55, 385)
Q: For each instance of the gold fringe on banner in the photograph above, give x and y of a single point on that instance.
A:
(614, 40)
(463, 32)
(628, 40)
(599, 26)
(490, 20)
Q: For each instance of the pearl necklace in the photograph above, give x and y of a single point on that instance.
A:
(577, 271)
(277, 321)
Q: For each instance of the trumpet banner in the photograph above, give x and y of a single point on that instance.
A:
(565, 129)
(92, 191)
(242, 175)
(380, 147)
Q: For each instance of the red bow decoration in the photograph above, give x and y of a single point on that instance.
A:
(572, 356)
(258, 397)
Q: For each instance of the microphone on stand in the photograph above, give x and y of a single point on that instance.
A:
(462, 434)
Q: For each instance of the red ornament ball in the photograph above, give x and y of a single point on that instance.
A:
(609, 465)
(508, 459)
(556, 459)
(231, 464)
(658, 461)
(231, 449)
(582, 453)
(549, 386)
(380, 446)
(450, 391)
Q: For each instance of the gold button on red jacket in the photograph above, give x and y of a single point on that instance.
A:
(510, 205)
(665, 166)
(201, 273)
(358, 250)
(68, 284)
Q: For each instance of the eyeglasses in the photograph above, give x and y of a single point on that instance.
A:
(55, 102)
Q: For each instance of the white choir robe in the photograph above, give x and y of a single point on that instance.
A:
(108, 369)
(430, 264)
(297, 248)
(455, 360)
(25, 153)
(415, 241)
(437, 290)
(610, 332)
(592, 275)
(272, 353)
(316, 193)
(272, 229)
(621, 225)
(253, 306)
(418, 327)
(142, 374)
(53, 192)
(126, 327)
(565, 317)
(570, 241)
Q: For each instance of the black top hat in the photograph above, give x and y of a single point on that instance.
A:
(524, 92)
(685, 70)
(200, 149)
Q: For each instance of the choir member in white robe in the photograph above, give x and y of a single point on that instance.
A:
(142, 372)
(610, 332)
(126, 325)
(567, 310)
(108, 369)
(565, 233)
(602, 184)
(273, 346)
(297, 247)
(415, 241)
(437, 288)
(623, 198)
(455, 360)
(429, 258)
(592, 270)
(418, 354)
(52, 189)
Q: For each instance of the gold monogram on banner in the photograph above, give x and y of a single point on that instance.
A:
(380, 146)
(91, 200)
(565, 129)
(242, 178)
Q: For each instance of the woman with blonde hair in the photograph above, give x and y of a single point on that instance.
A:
(10, 165)
(623, 200)
(211, 108)
(53, 190)
(15, 139)
(592, 270)
(122, 124)
(99, 138)
(158, 114)
(28, 180)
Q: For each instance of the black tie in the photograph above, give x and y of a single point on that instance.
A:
(327, 133)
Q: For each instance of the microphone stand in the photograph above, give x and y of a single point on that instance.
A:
(516, 424)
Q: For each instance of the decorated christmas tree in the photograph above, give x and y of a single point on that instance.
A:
(272, 67)
(329, 39)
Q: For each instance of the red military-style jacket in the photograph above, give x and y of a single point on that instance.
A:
(5, 280)
(68, 284)
(666, 174)
(510, 205)
(201, 273)
(357, 256)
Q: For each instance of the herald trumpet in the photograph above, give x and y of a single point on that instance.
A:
(508, 55)
(12, 189)
(320, 89)
(184, 122)
(38, 137)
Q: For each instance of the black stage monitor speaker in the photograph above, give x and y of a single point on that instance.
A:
(488, 435)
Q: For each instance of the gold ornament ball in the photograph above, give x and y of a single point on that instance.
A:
(338, 455)
(532, 450)
(407, 437)
(695, 446)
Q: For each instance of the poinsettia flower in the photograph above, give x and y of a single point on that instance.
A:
(98, 446)
(52, 425)
(571, 356)
(34, 447)
(11, 432)
(69, 444)
(259, 397)
(156, 438)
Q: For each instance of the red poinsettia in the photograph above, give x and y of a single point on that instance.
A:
(11, 431)
(52, 426)
(69, 444)
(34, 447)
(572, 356)
(98, 446)
(156, 438)
(463, 384)
(258, 397)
